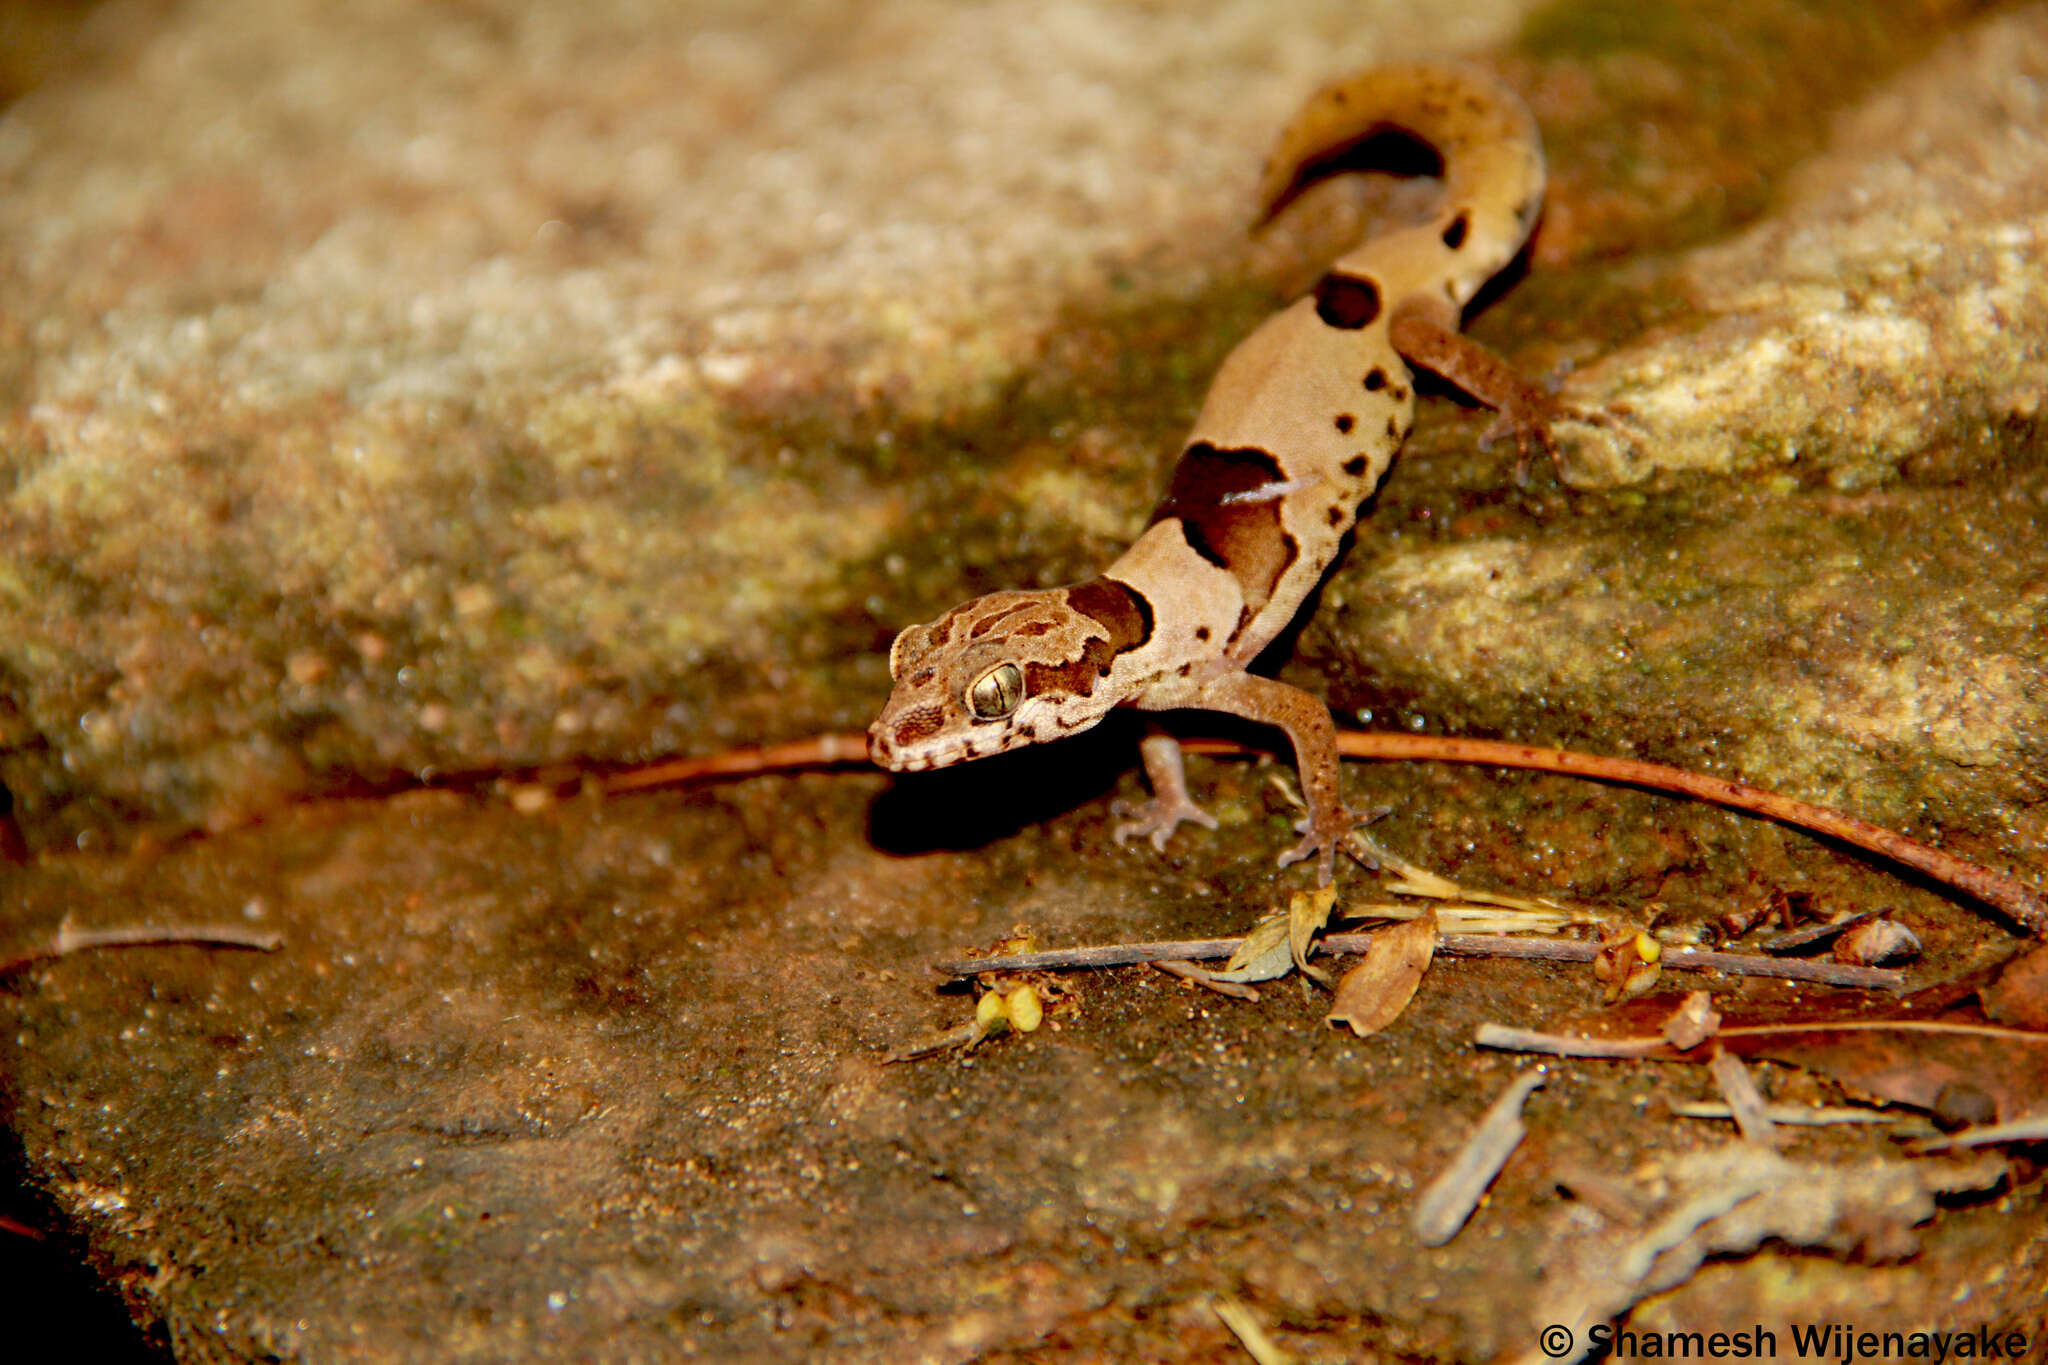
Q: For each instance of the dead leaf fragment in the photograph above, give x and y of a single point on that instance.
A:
(1693, 1022)
(2019, 996)
(1875, 941)
(1307, 915)
(1915, 1062)
(1196, 974)
(1264, 955)
(1373, 994)
(1731, 1200)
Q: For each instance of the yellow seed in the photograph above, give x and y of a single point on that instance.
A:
(1026, 1011)
(990, 1009)
(1647, 948)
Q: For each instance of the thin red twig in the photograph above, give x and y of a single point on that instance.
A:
(2023, 904)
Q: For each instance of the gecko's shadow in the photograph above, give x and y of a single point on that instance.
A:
(978, 803)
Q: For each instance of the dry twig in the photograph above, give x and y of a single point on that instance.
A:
(1745, 1101)
(68, 940)
(1452, 1196)
(1458, 945)
(1188, 971)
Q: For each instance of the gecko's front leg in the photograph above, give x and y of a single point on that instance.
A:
(1306, 722)
(1170, 805)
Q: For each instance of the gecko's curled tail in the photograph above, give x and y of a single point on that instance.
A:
(1484, 136)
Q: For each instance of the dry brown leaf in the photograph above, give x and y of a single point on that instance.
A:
(1307, 915)
(1373, 994)
(1875, 941)
(1925, 1064)
(1693, 1022)
(1263, 955)
(2020, 995)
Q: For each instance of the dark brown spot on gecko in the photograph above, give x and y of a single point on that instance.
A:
(1242, 535)
(1375, 380)
(1347, 302)
(1201, 632)
(1126, 620)
(1355, 466)
(1454, 235)
(1394, 428)
(1336, 516)
(1122, 613)
(1345, 421)
(1074, 678)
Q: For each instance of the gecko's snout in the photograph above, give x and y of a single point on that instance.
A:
(898, 741)
(881, 747)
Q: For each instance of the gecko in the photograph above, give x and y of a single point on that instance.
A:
(1299, 425)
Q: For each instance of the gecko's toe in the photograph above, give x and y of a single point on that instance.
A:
(1322, 838)
(1156, 820)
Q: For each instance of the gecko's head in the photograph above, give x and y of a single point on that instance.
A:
(1006, 670)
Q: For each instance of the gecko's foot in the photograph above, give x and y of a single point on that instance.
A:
(1530, 426)
(1157, 819)
(1322, 836)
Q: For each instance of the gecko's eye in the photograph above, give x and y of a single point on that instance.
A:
(995, 694)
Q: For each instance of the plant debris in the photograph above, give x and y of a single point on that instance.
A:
(2019, 995)
(1208, 980)
(1806, 1116)
(1455, 945)
(1693, 1022)
(1731, 1200)
(1627, 962)
(68, 940)
(2033, 1129)
(1813, 935)
(1373, 993)
(1248, 1332)
(1452, 1196)
(1908, 1061)
(1745, 1101)
(1875, 941)
(1308, 914)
